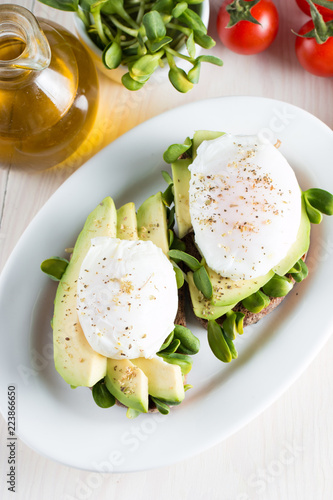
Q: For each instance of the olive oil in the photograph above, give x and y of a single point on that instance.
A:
(11, 47)
(44, 114)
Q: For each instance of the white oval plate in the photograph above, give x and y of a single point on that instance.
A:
(65, 424)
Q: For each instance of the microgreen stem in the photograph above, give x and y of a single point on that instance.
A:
(127, 30)
(170, 60)
(83, 16)
(129, 43)
(178, 54)
(98, 23)
(141, 12)
(178, 27)
(178, 42)
(108, 32)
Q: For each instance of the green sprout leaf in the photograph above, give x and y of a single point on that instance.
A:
(194, 74)
(210, 59)
(162, 407)
(192, 20)
(179, 275)
(179, 9)
(54, 267)
(178, 244)
(146, 65)
(66, 5)
(202, 282)
(168, 196)
(172, 347)
(185, 362)
(189, 343)
(167, 342)
(187, 387)
(190, 45)
(256, 302)
(319, 199)
(188, 259)
(131, 413)
(299, 271)
(233, 324)
(278, 286)
(171, 236)
(157, 45)
(102, 397)
(167, 177)
(231, 345)
(204, 40)
(164, 6)
(112, 55)
(130, 83)
(217, 342)
(179, 80)
(171, 218)
(175, 150)
(154, 25)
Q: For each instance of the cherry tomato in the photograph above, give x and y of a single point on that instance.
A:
(305, 7)
(314, 57)
(246, 37)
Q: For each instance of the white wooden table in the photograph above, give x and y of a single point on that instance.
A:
(284, 454)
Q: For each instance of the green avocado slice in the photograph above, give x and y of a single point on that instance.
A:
(152, 222)
(181, 185)
(204, 308)
(299, 247)
(74, 359)
(127, 383)
(181, 181)
(165, 380)
(126, 222)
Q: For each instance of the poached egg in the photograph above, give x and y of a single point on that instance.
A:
(245, 205)
(127, 297)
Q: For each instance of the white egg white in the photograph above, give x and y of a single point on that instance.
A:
(127, 297)
(245, 205)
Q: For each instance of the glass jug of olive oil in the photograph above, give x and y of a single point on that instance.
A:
(48, 91)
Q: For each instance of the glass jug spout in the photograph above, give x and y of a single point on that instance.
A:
(23, 45)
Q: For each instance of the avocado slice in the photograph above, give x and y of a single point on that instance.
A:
(204, 308)
(181, 184)
(165, 380)
(127, 383)
(299, 247)
(152, 222)
(126, 222)
(74, 359)
(181, 181)
(203, 135)
(227, 291)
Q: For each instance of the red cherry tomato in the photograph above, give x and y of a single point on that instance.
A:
(246, 37)
(305, 7)
(314, 57)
